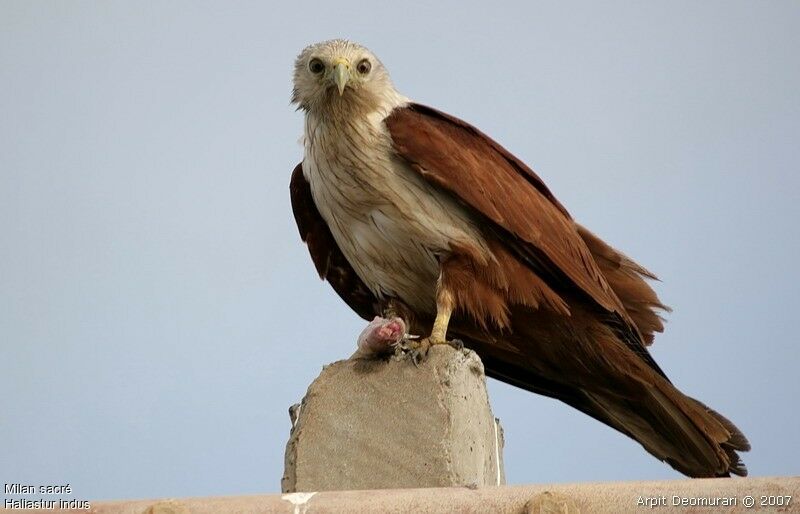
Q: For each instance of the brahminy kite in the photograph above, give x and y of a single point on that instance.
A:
(410, 212)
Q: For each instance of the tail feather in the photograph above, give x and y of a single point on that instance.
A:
(692, 441)
(634, 399)
(736, 440)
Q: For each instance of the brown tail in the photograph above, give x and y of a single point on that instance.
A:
(627, 279)
(678, 429)
(639, 402)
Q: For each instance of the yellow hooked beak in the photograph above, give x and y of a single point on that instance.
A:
(341, 73)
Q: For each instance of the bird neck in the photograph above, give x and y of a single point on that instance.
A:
(354, 108)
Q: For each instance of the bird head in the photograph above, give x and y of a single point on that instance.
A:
(340, 75)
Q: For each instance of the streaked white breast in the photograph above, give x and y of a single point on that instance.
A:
(391, 225)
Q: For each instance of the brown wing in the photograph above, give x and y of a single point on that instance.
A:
(329, 260)
(520, 209)
(577, 359)
(627, 279)
(461, 159)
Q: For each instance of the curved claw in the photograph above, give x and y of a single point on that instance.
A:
(418, 351)
(458, 344)
(417, 357)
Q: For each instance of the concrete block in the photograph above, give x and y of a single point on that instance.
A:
(386, 424)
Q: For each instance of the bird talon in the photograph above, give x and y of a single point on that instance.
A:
(406, 345)
(413, 348)
(416, 357)
(418, 349)
(458, 344)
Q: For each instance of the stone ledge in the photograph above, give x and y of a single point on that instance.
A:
(609, 497)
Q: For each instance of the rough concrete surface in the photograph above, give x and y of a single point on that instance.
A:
(601, 498)
(385, 423)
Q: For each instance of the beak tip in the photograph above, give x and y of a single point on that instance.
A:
(341, 75)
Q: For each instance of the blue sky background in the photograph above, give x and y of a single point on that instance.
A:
(158, 312)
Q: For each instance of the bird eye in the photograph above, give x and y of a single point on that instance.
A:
(364, 66)
(316, 65)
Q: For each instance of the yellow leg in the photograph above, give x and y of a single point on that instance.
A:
(445, 303)
(444, 309)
